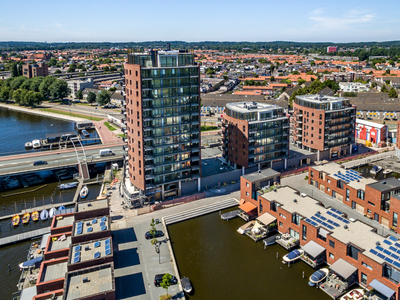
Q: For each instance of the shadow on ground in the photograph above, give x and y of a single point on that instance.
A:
(130, 286)
(124, 235)
(126, 258)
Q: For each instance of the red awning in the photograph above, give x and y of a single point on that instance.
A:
(247, 207)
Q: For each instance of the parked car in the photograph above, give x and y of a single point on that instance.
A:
(158, 279)
(39, 162)
(148, 235)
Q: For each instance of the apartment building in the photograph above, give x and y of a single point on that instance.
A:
(371, 132)
(35, 70)
(255, 134)
(163, 122)
(324, 124)
(398, 139)
(353, 87)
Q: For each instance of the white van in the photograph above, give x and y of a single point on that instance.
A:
(106, 152)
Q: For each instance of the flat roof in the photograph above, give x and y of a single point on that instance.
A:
(386, 184)
(333, 168)
(65, 221)
(98, 280)
(369, 123)
(55, 271)
(57, 245)
(87, 250)
(264, 174)
(95, 223)
(252, 106)
(91, 205)
(320, 98)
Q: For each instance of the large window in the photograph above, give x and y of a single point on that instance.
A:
(391, 273)
(294, 234)
(339, 184)
(352, 252)
(331, 243)
(395, 216)
(364, 278)
(304, 231)
(273, 206)
(361, 194)
(296, 219)
(347, 195)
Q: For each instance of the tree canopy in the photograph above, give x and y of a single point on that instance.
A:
(103, 97)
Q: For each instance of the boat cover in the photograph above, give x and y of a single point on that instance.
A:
(44, 215)
(313, 249)
(343, 268)
(318, 275)
(293, 254)
(266, 219)
(32, 262)
(186, 282)
(381, 288)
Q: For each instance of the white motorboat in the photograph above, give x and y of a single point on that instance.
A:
(387, 171)
(35, 262)
(293, 256)
(318, 276)
(44, 215)
(52, 212)
(85, 133)
(375, 170)
(28, 145)
(84, 192)
(186, 285)
(36, 144)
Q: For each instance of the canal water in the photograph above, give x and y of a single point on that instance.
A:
(17, 128)
(222, 264)
(365, 172)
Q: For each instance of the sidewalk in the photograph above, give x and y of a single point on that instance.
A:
(107, 136)
(363, 161)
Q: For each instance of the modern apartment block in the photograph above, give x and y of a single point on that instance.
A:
(35, 70)
(398, 139)
(163, 122)
(324, 124)
(255, 134)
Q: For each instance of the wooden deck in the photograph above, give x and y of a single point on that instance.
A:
(24, 236)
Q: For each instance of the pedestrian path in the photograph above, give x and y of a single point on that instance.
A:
(363, 161)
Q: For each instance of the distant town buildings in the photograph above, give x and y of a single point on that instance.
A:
(35, 70)
(331, 49)
(255, 134)
(353, 87)
(371, 132)
(79, 85)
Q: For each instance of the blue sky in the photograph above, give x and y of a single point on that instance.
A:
(120, 21)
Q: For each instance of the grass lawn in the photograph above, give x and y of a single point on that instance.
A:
(111, 128)
(208, 128)
(124, 136)
(66, 113)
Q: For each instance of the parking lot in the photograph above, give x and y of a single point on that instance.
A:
(212, 162)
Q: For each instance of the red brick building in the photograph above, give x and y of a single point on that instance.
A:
(35, 70)
(324, 124)
(398, 139)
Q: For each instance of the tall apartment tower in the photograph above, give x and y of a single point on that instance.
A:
(163, 122)
(255, 135)
(324, 124)
(398, 139)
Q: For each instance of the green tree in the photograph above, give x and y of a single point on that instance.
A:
(71, 68)
(14, 70)
(272, 78)
(153, 232)
(94, 68)
(393, 93)
(17, 82)
(45, 85)
(106, 69)
(91, 98)
(384, 89)
(35, 83)
(300, 81)
(5, 93)
(52, 62)
(113, 69)
(103, 97)
(58, 71)
(19, 96)
(79, 94)
(59, 89)
(166, 282)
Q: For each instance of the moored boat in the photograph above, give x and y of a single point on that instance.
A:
(66, 186)
(15, 220)
(44, 215)
(85, 133)
(62, 207)
(52, 212)
(84, 192)
(318, 276)
(186, 285)
(31, 263)
(293, 256)
(101, 197)
(35, 216)
(375, 170)
(25, 218)
(36, 144)
(387, 171)
(270, 240)
(28, 145)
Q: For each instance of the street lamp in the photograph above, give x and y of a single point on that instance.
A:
(158, 251)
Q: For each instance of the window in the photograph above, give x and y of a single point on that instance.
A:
(282, 216)
(329, 189)
(347, 195)
(273, 206)
(247, 194)
(363, 278)
(296, 219)
(395, 216)
(352, 252)
(312, 173)
(339, 184)
(304, 231)
(329, 181)
(367, 266)
(391, 274)
(361, 194)
(294, 234)
(331, 255)
(261, 208)
(247, 184)
(331, 244)
(353, 205)
(369, 211)
(370, 203)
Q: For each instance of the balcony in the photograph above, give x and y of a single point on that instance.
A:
(194, 168)
(148, 128)
(149, 167)
(148, 138)
(194, 122)
(148, 157)
(148, 118)
(195, 158)
(299, 121)
(195, 149)
(149, 176)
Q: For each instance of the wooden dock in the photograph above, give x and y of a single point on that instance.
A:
(24, 236)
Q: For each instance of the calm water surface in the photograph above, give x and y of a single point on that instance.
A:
(222, 264)
(17, 128)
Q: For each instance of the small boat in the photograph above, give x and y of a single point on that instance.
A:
(25, 218)
(62, 207)
(30, 263)
(293, 255)
(353, 294)
(85, 133)
(70, 185)
(44, 215)
(270, 241)
(387, 171)
(52, 212)
(186, 285)
(84, 192)
(36, 144)
(375, 170)
(35, 216)
(15, 220)
(28, 145)
(101, 197)
(318, 276)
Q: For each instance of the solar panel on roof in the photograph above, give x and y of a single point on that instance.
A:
(387, 252)
(392, 238)
(387, 242)
(313, 218)
(381, 255)
(76, 259)
(398, 251)
(90, 229)
(94, 221)
(346, 221)
(394, 256)
(97, 255)
(336, 224)
(325, 224)
(389, 260)
(331, 227)
(107, 241)
(102, 228)
(379, 248)
(108, 252)
(314, 224)
(330, 221)
(97, 244)
(329, 213)
(339, 212)
(373, 251)
(103, 219)
(323, 218)
(77, 254)
(397, 245)
(396, 264)
(108, 247)
(78, 248)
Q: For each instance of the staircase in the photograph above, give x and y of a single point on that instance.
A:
(196, 212)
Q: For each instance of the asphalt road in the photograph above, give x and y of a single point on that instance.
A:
(82, 109)
(53, 159)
